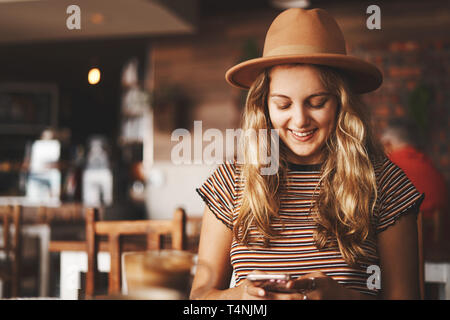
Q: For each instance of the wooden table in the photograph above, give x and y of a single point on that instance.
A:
(73, 261)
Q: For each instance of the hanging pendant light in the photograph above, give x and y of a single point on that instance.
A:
(94, 76)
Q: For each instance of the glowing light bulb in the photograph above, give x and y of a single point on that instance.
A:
(94, 76)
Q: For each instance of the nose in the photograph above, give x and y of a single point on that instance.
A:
(300, 117)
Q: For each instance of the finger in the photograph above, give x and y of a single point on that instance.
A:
(302, 284)
(307, 282)
(275, 286)
(255, 291)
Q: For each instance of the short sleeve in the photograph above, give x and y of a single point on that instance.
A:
(218, 192)
(397, 195)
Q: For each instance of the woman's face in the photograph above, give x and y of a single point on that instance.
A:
(303, 111)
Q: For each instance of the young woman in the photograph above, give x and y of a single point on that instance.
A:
(337, 211)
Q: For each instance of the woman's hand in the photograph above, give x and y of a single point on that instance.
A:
(251, 290)
(319, 286)
(260, 290)
(312, 286)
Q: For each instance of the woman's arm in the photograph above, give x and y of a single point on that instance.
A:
(214, 251)
(398, 252)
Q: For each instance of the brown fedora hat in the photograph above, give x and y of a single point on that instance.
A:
(306, 36)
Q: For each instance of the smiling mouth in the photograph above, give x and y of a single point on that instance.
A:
(303, 135)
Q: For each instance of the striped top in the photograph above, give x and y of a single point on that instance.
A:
(294, 250)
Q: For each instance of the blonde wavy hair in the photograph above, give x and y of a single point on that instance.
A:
(348, 191)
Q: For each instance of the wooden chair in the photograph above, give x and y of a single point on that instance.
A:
(10, 266)
(65, 213)
(114, 230)
(193, 229)
(421, 255)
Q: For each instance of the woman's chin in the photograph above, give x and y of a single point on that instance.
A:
(302, 157)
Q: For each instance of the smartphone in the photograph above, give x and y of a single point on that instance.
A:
(268, 277)
(272, 282)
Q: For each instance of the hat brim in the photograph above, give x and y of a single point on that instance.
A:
(363, 76)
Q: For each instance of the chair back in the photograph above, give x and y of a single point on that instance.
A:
(11, 248)
(114, 230)
(67, 212)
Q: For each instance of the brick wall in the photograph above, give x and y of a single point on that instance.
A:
(407, 65)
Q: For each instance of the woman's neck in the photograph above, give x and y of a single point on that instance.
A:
(294, 159)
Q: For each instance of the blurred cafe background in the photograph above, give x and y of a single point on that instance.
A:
(86, 117)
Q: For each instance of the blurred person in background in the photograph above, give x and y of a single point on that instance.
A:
(401, 146)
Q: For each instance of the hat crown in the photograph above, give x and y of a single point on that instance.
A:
(298, 31)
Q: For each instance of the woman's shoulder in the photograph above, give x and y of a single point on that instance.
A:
(231, 167)
(228, 172)
(397, 195)
(385, 169)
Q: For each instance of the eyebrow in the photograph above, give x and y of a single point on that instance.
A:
(318, 94)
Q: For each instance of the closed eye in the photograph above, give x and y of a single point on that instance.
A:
(284, 106)
(318, 105)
